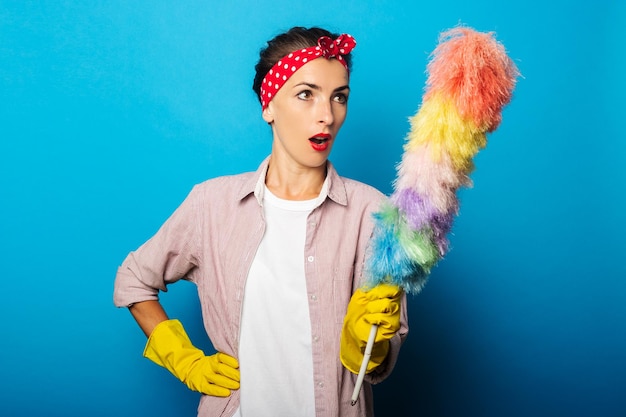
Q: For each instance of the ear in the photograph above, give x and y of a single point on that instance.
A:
(267, 114)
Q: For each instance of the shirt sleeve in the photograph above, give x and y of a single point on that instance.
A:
(170, 255)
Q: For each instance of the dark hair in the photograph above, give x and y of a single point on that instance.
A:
(295, 38)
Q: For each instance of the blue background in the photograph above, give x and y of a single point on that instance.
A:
(111, 110)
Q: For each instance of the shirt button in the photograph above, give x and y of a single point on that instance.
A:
(316, 338)
(320, 384)
(310, 258)
(314, 297)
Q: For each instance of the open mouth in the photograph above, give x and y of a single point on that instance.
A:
(320, 142)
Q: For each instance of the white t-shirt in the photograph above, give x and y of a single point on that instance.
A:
(275, 357)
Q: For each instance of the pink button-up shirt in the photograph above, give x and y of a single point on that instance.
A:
(211, 240)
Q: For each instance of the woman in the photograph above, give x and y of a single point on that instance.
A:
(277, 258)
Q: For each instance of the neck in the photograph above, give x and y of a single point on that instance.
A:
(295, 183)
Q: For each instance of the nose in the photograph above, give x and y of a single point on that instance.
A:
(325, 112)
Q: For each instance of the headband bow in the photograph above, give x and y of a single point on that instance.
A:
(278, 75)
(343, 45)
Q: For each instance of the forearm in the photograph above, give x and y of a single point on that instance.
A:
(148, 314)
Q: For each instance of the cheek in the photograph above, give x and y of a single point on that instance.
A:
(340, 115)
(289, 126)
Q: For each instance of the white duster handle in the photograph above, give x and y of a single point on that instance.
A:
(366, 359)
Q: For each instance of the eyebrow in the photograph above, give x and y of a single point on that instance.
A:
(317, 87)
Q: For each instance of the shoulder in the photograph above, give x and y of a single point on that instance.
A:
(241, 184)
(363, 197)
(236, 185)
(359, 192)
(220, 192)
(361, 188)
(225, 181)
(348, 191)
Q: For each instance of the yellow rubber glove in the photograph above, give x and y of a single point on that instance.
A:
(170, 347)
(381, 306)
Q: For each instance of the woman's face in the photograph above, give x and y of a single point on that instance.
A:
(308, 111)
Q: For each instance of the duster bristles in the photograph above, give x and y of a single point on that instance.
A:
(435, 181)
(439, 124)
(473, 70)
(470, 80)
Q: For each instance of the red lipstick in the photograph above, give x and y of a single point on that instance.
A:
(320, 142)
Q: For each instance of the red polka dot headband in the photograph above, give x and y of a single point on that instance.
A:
(288, 65)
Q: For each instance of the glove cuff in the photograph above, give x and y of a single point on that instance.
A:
(167, 338)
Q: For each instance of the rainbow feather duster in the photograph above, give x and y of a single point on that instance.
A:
(470, 80)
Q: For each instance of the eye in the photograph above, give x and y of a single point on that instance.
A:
(340, 98)
(304, 95)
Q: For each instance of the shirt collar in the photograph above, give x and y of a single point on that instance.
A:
(254, 184)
